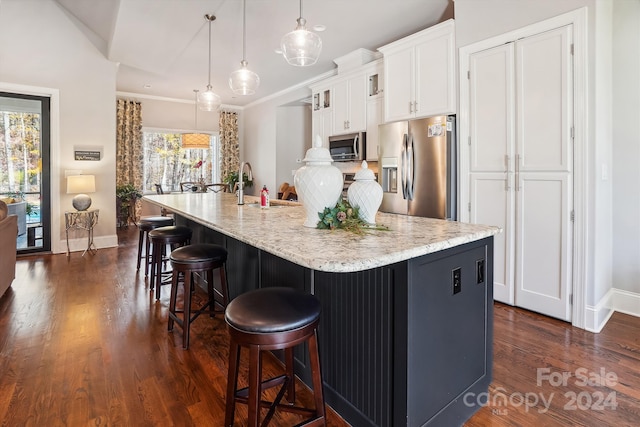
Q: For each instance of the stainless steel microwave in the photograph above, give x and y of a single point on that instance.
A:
(348, 147)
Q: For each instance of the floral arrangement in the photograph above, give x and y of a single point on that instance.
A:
(345, 217)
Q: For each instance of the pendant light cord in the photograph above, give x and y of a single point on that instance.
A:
(244, 30)
(195, 106)
(300, 8)
(209, 82)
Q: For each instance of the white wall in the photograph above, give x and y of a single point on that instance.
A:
(625, 173)
(260, 141)
(293, 130)
(43, 52)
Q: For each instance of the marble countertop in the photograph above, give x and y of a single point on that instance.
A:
(279, 230)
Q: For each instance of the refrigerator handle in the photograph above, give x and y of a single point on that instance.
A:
(410, 168)
(403, 166)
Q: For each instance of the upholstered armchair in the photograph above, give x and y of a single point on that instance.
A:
(8, 234)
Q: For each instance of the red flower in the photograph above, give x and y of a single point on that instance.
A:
(197, 165)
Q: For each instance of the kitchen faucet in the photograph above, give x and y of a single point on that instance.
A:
(241, 181)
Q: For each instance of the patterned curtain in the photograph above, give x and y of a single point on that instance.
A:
(229, 146)
(129, 161)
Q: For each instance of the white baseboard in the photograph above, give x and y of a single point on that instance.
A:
(80, 244)
(615, 300)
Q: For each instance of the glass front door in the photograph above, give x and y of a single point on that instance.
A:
(24, 167)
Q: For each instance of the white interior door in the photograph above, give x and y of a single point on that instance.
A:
(520, 164)
(491, 152)
(544, 172)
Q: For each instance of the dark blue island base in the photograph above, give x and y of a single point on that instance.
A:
(404, 344)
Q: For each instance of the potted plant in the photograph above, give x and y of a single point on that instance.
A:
(126, 196)
(232, 178)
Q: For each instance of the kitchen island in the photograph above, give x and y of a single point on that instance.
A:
(406, 328)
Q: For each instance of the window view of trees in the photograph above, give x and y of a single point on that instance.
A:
(20, 170)
(168, 164)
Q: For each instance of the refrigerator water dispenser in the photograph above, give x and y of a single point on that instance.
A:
(389, 174)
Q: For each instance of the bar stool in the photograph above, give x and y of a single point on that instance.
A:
(196, 258)
(174, 236)
(145, 225)
(272, 319)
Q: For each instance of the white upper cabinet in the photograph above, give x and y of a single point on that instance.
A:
(350, 104)
(321, 113)
(420, 74)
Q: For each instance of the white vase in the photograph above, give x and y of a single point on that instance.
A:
(365, 194)
(318, 183)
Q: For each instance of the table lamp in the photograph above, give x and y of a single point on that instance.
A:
(79, 185)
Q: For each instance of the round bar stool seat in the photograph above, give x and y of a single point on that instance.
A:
(146, 224)
(272, 319)
(174, 236)
(187, 260)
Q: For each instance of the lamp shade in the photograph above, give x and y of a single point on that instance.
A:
(79, 185)
(196, 140)
(244, 81)
(301, 47)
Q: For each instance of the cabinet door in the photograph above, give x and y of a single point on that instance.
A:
(317, 125)
(341, 107)
(434, 76)
(349, 108)
(492, 135)
(358, 103)
(375, 116)
(492, 202)
(543, 243)
(327, 126)
(398, 85)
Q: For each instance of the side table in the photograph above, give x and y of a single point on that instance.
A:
(82, 220)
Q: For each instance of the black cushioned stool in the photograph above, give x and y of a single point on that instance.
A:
(174, 236)
(145, 225)
(196, 258)
(272, 319)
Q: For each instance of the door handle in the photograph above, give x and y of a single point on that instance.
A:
(507, 187)
(517, 172)
(355, 146)
(410, 169)
(403, 166)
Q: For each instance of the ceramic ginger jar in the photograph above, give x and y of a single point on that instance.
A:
(365, 194)
(318, 183)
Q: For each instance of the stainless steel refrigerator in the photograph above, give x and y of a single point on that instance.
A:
(417, 167)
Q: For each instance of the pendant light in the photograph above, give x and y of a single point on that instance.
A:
(196, 140)
(208, 100)
(301, 47)
(244, 81)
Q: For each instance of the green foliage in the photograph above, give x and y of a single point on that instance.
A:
(232, 178)
(127, 193)
(345, 217)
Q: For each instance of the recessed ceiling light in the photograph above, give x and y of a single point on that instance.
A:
(319, 28)
(147, 86)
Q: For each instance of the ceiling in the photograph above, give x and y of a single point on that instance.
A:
(162, 45)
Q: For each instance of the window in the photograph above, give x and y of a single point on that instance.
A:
(168, 164)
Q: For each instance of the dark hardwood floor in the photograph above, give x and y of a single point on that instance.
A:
(83, 341)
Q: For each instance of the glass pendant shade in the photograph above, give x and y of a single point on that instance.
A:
(244, 81)
(301, 47)
(209, 100)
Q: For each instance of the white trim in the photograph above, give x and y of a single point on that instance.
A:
(304, 84)
(139, 96)
(597, 316)
(57, 243)
(581, 241)
(626, 302)
(616, 300)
